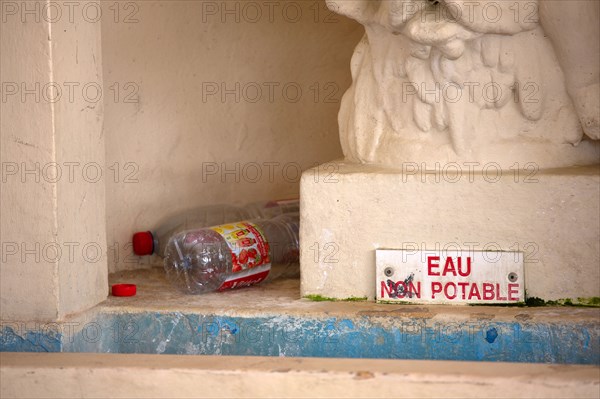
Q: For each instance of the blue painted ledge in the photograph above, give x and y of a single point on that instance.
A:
(360, 337)
(272, 320)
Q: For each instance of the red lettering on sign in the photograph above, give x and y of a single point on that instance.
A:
(400, 292)
(498, 296)
(385, 288)
(463, 289)
(468, 271)
(431, 265)
(400, 289)
(474, 292)
(453, 289)
(415, 290)
(511, 292)
(436, 288)
(449, 267)
(488, 291)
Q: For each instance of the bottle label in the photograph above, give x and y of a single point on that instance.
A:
(249, 253)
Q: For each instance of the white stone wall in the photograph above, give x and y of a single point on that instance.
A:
(109, 117)
(173, 129)
(52, 202)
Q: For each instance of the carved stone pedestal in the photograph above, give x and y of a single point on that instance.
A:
(349, 211)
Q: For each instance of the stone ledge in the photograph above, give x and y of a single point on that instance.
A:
(273, 320)
(96, 375)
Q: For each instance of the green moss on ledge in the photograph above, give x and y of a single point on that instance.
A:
(584, 302)
(321, 298)
(530, 302)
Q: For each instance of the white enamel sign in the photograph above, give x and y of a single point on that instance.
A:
(449, 277)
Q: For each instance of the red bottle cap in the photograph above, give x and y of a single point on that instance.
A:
(124, 289)
(143, 243)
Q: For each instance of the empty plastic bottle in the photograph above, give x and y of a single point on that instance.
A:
(232, 255)
(154, 242)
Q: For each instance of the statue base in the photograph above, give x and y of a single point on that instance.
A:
(350, 210)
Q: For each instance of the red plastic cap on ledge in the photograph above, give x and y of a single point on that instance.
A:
(143, 243)
(124, 289)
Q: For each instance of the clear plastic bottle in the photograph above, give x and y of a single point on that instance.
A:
(233, 255)
(154, 242)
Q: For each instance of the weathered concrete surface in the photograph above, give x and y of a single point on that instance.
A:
(282, 297)
(137, 376)
(272, 320)
(348, 211)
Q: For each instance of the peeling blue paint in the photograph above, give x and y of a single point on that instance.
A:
(29, 341)
(491, 335)
(360, 337)
(287, 335)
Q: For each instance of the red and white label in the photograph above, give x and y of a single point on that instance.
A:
(449, 277)
(249, 253)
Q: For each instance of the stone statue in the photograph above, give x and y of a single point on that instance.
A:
(479, 81)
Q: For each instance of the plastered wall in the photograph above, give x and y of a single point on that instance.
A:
(52, 225)
(115, 116)
(216, 102)
(25, 202)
